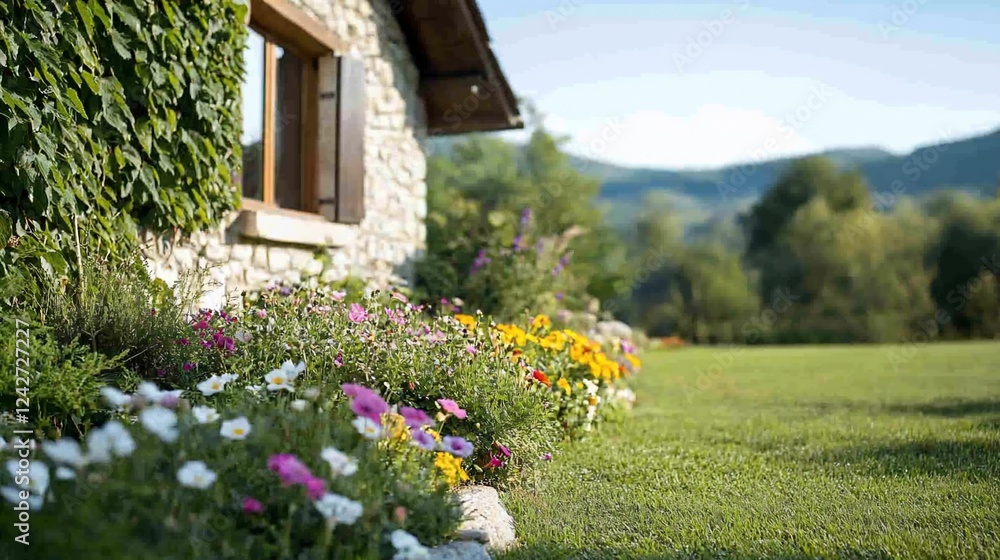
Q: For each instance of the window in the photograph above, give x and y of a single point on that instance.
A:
(303, 117)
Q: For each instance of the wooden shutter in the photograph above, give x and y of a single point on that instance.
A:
(350, 198)
(326, 136)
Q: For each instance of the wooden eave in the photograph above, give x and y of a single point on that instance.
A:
(461, 83)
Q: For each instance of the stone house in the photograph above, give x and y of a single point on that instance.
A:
(339, 99)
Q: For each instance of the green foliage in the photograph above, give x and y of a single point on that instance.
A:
(117, 115)
(476, 198)
(59, 381)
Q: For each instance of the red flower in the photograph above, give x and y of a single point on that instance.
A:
(541, 378)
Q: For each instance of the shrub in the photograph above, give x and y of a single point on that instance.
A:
(63, 378)
(116, 115)
(265, 485)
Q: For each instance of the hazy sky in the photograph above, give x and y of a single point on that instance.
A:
(700, 84)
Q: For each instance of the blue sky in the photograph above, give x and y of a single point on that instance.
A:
(701, 84)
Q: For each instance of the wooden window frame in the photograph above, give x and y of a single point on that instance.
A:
(283, 24)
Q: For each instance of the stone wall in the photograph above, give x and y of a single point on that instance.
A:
(392, 233)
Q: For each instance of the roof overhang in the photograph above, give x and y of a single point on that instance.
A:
(461, 83)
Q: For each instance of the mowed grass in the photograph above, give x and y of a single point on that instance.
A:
(796, 452)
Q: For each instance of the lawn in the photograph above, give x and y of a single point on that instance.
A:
(797, 452)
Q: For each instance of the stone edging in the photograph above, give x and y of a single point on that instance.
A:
(486, 527)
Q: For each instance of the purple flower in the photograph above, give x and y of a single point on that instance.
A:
(339, 360)
(188, 366)
(518, 243)
(451, 407)
(201, 325)
(422, 439)
(357, 314)
(161, 373)
(182, 341)
(370, 406)
(560, 296)
(285, 291)
(628, 347)
(525, 217)
(504, 449)
(415, 418)
(471, 349)
(457, 446)
(480, 261)
(546, 456)
(251, 505)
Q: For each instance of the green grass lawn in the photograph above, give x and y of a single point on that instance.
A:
(796, 452)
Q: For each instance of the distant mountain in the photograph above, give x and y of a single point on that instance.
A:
(971, 164)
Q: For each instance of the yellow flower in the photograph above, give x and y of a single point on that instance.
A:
(564, 385)
(541, 322)
(468, 320)
(435, 435)
(451, 467)
(555, 341)
(636, 362)
(579, 384)
(395, 427)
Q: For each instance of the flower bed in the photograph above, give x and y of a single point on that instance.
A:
(348, 448)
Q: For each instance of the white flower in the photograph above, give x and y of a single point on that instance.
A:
(242, 336)
(591, 387)
(299, 405)
(204, 414)
(195, 474)
(407, 546)
(292, 370)
(149, 391)
(37, 483)
(338, 509)
(255, 389)
(367, 427)
(213, 385)
(116, 399)
(65, 451)
(160, 421)
(237, 428)
(65, 473)
(277, 380)
(311, 393)
(341, 463)
(110, 439)
(227, 377)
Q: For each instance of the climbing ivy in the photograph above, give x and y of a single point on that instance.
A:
(115, 115)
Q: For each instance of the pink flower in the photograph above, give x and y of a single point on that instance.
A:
(399, 514)
(457, 446)
(201, 325)
(339, 360)
(546, 456)
(370, 406)
(357, 314)
(452, 407)
(504, 449)
(152, 312)
(289, 468)
(182, 341)
(338, 296)
(496, 462)
(471, 349)
(399, 297)
(396, 316)
(251, 505)
(188, 366)
(422, 439)
(160, 373)
(414, 418)
(262, 313)
(354, 391)
(315, 487)
(437, 337)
